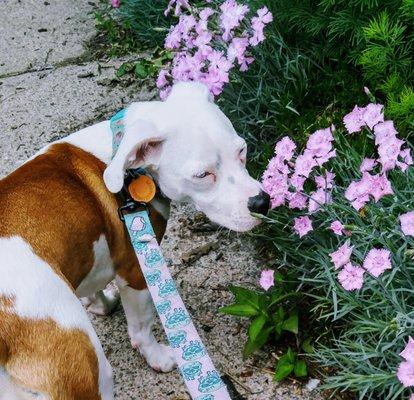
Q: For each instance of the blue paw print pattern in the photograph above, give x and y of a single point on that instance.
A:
(177, 319)
(163, 306)
(205, 397)
(191, 370)
(177, 338)
(167, 288)
(153, 277)
(153, 258)
(139, 247)
(210, 382)
(193, 350)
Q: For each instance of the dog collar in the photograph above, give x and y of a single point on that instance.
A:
(201, 378)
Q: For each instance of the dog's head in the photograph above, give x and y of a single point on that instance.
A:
(193, 151)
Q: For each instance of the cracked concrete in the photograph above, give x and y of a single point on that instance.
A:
(46, 92)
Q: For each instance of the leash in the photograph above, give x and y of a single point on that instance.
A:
(203, 381)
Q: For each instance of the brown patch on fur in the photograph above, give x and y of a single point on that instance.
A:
(43, 357)
(59, 204)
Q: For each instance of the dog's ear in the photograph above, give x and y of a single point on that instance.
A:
(140, 147)
(189, 91)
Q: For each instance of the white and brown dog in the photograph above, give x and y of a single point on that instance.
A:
(61, 238)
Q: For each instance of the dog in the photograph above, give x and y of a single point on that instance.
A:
(61, 238)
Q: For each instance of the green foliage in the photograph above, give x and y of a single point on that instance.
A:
(271, 316)
(288, 363)
(359, 334)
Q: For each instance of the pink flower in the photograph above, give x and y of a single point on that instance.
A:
(297, 200)
(377, 261)
(264, 16)
(407, 224)
(337, 227)
(351, 277)
(320, 142)
(373, 114)
(318, 198)
(405, 373)
(275, 184)
(358, 191)
(267, 279)
(389, 151)
(237, 50)
(407, 159)
(354, 120)
(367, 164)
(232, 14)
(304, 164)
(285, 148)
(384, 131)
(162, 78)
(325, 182)
(178, 5)
(165, 92)
(297, 181)
(302, 225)
(116, 3)
(341, 256)
(204, 15)
(380, 187)
(408, 352)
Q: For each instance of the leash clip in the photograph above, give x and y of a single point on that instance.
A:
(130, 206)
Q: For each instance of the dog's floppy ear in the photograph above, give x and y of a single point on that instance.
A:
(140, 146)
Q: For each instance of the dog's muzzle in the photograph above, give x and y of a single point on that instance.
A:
(259, 204)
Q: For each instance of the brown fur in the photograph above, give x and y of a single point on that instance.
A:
(58, 203)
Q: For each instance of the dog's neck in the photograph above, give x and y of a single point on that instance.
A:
(97, 140)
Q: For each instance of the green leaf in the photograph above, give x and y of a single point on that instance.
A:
(241, 310)
(245, 296)
(141, 71)
(121, 70)
(256, 326)
(301, 370)
(261, 339)
(292, 323)
(307, 346)
(285, 365)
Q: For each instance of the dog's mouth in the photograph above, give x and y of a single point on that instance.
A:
(237, 224)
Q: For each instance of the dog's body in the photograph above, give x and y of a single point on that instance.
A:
(61, 238)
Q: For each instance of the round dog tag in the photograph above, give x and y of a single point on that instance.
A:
(142, 189)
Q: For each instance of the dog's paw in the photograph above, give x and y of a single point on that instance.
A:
(160, 357)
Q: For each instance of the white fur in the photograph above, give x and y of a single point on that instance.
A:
(139, 312)
(102, 271)
(197, 137)
(24, 276)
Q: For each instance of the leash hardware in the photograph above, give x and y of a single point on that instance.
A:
(130, 206)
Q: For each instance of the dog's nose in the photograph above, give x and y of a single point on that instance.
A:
(259, 204)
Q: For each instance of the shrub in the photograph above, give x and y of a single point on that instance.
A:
(350, 239)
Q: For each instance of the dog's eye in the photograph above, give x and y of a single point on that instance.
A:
(203, 175)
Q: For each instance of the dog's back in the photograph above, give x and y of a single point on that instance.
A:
(48, 212)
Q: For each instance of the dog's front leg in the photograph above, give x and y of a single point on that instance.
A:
(139, 312)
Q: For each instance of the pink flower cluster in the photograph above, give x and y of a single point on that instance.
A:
(207, 43)
(407, 223)
(405, 372)
(352, 277)
(286, 175)
(390, 154)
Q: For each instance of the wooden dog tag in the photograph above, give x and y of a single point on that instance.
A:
(142, 189)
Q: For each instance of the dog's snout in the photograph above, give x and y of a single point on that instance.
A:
(259, 204)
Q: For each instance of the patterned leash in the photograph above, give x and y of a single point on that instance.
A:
(202, 379)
